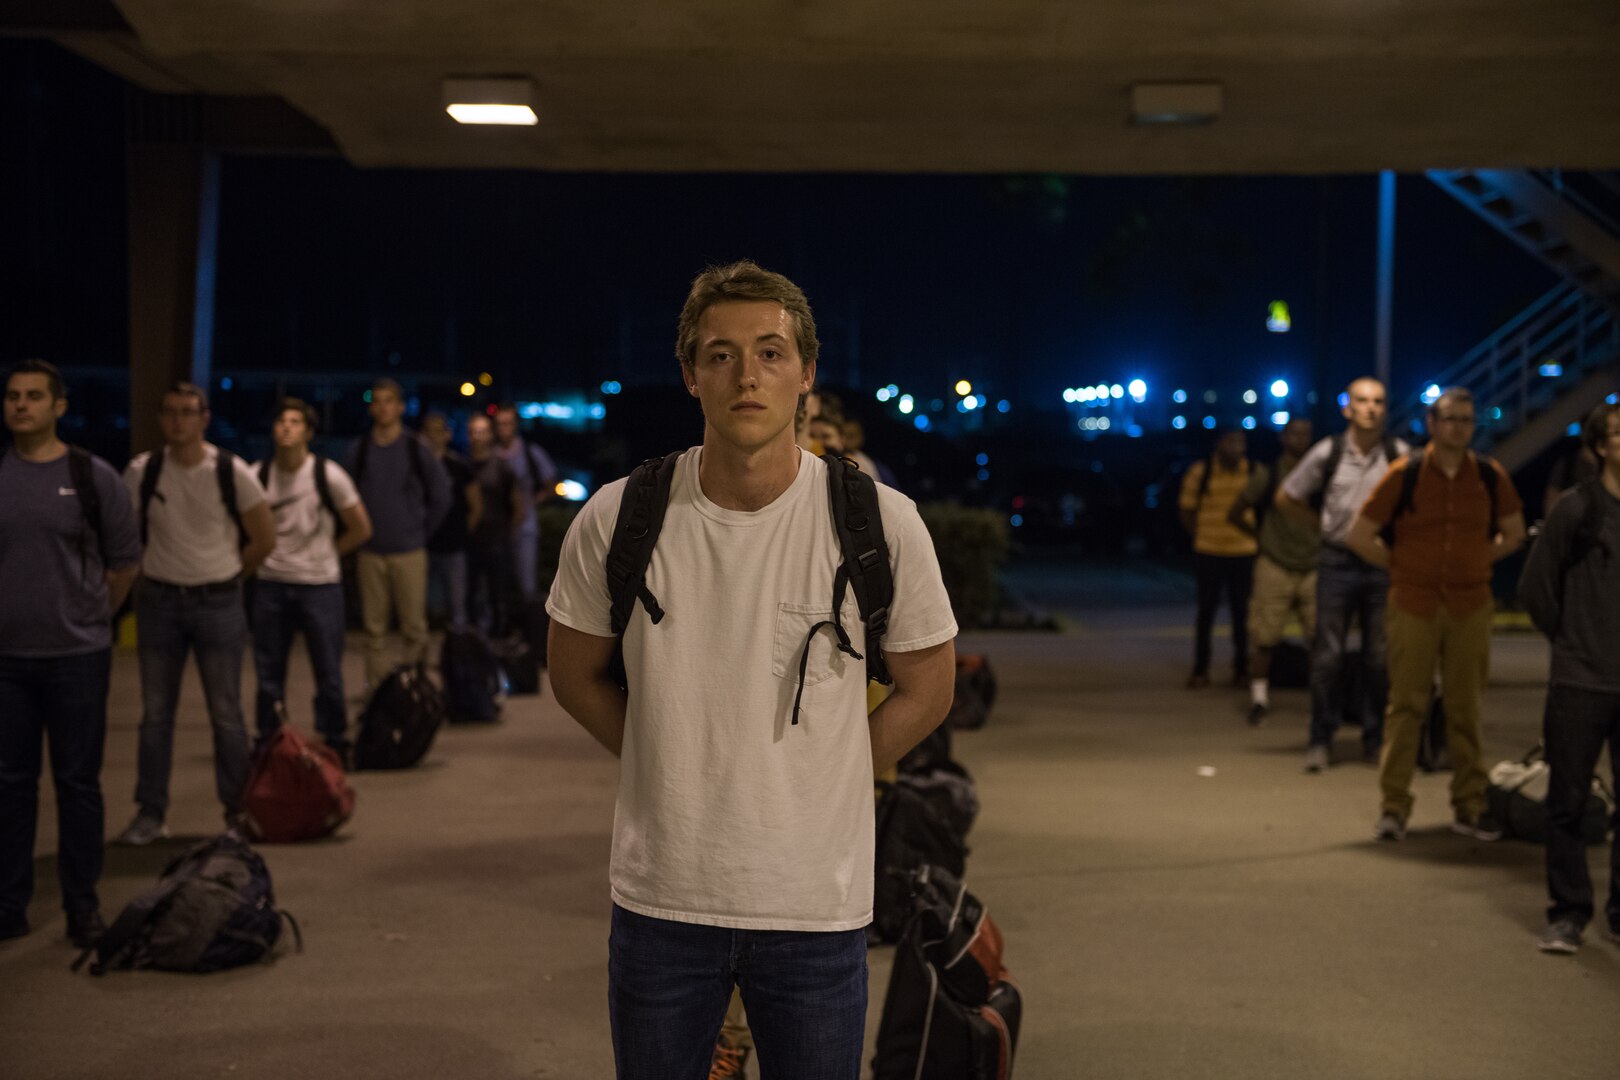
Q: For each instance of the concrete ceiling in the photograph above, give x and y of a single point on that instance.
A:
(1310, 86)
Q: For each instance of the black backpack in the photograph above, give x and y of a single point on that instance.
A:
(82, 474)
(911, 833)
(1392, 451)
(474, 684)
(212, 908)
(952, 1011)
(323, 490)
(224, 475)
(857, 521)
(400, 720)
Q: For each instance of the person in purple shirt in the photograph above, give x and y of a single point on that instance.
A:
(536, 474)
(69, 552)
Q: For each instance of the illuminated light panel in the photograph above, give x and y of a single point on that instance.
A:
(572, 490)
(468, 389)
(1278, 321)
(1432, 394)
(1248, 423)
(1279, 418)
(1179, 397)
(1209, 423)
(963, 388)
(907, 403)
(1250, 397)
(1552, 369)
(1179, 422)
(1116, 391)
(1279, 389)
(493, 115)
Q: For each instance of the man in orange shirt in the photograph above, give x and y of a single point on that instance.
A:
(1223, 554)
(1450, 515)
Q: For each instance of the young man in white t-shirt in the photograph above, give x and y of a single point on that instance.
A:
(743, 834)
(300, 585)
(190, 598)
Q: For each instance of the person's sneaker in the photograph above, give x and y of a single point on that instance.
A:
(1482, 826)
(730, 1062)
(1562, 937)
(1316, 759)
(144, 830)
(1390, 827)
(85, 928)
(1257, 714)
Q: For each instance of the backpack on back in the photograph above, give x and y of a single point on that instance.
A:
(474, 684)
(323, 491)
(296, 790)
(400, 721)
(213, 908)
(224, 477)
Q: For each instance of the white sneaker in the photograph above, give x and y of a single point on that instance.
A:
(144, 830)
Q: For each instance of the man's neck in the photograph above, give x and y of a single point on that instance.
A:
(40, 447)
(737, 479)
(187, 454)
(291, 458)
(1366, 439)
(1449, 458)
(384, 435)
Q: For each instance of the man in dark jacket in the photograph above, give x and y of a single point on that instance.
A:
(1571, 588)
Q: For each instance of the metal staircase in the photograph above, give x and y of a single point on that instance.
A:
(1548, 365)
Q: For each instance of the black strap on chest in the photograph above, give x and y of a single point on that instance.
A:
(1409, 483)
(224, 477)
(323, 491)
(635, 534)
(1391, 449)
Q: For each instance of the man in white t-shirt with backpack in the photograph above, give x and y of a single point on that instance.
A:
(206, 527)
(319, 519)
(743, 833)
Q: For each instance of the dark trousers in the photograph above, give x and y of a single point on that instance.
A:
(1233, 575)
(1348, 589)
(62, 700)
(1574, 728)
(491, 582)
(669, 984)
(280, 611)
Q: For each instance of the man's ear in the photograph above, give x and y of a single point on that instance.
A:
(60, 407)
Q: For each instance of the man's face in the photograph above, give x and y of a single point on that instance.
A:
(386, 408)
(30, 407)
(436, 432)
(183, 419)
(1296, 437)
(506, 426)
(747, 373)
(291, 430)
(1231, 447)
(1608, 447)
(1451, 424)
(828, 434)
(480, 436)
(1367, 406)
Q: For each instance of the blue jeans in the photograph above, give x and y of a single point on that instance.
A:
(669, 984)
(447, 586)
(526, 555)
(1348, 588)
(62, 699)
(280, 610)
(171, 621)
(1576, 725)
(489, 585)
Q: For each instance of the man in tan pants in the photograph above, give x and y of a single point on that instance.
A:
(1453, 515)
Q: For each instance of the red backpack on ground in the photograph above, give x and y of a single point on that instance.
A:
(296, 790)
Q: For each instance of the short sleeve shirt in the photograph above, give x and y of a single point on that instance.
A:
(306, 551)
(729, 814)
(191, 539)
(1284, 541)
(53, 584)
(1344, 493)
(1213, 534)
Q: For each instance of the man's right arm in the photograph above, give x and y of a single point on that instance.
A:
(578, 664)
(1539, 581)
(1303, 480)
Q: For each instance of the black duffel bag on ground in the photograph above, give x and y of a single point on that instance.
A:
(400, 720)
(213, 908)
(1518, 798)
(911, 833)
(952, 1011)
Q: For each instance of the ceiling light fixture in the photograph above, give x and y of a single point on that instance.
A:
(508, 101)
(1175, 103)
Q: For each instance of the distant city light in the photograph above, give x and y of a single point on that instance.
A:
(468, 389)
(1068, 395)
(1431, 395)
(982, 459)
(1613, 399)
(225, 383)
(1248, 423)
(936, 405)
(366, 397)
(485, 379)
(1496, 413)
(528, 410)
(1552, 369)
(883, 393)
(1209, 397)
(981, 399)
(1103, 423)
(1279, 389)
(1116, 391)
(1344, 400)
(1138, 390)
(1102, 390)
(1134, 430)
(612, 386)
(963, 388)
(1003, 406)
(1574, 429)
(1179, 422)
(1179, 397)
(596, 411)
(907, 403)
(1016, 520)
(968, 404)
(983, 474)
(921, 423)
(1250, 397)
(1278, 321)
(572, 490)
(1279, 418)
(1209, 423)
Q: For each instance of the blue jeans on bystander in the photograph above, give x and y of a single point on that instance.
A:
(281, 610)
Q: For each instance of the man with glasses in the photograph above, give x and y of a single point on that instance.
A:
(206, 526)
(1571, 588)
(1438, 521)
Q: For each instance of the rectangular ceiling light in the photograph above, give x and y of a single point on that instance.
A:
(490, 101)
(1175, 103)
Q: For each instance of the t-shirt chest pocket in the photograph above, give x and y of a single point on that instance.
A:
(794, 623)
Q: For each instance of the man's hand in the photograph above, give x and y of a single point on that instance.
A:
(1297, 511)
(261, 532)
(356, 529)
(1510, 538)
(578, 664)
(119, 582)
(924, 685)
(1365, 542)
(1238, 517)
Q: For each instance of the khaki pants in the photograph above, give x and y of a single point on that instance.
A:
(1462, 648)
(1276, 593)
(393, 584)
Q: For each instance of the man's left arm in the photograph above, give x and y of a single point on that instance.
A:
(437, 495)
(924, 684)
(1510, 517)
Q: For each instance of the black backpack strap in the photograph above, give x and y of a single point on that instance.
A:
(1488, 476)
(1330, 467)
(635, 534)
(1203, 481)
(1392, 449)
(1403, 502)
(225, 474)
(323, 489)
(413, 450)
(82, 471)
(264, 474)
(149, 483)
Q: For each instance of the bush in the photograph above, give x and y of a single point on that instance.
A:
(555, 517)
(972, 544)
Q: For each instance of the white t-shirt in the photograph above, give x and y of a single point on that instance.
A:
(191, 540)
(306, 551)
(728, 814)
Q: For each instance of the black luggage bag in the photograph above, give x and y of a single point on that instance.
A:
(400, 721)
